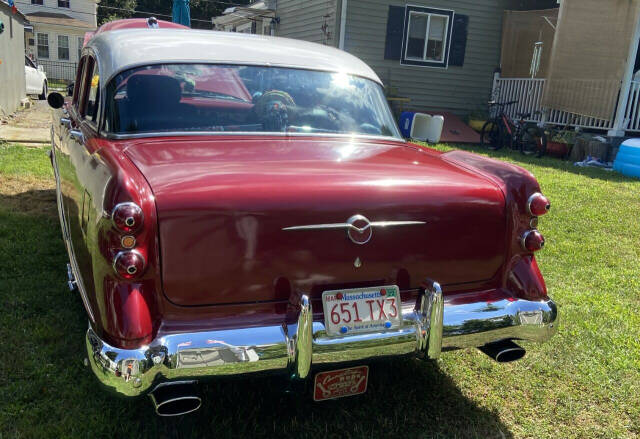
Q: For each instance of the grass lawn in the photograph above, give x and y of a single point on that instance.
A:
(584, 383)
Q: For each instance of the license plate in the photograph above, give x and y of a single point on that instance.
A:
(339, 383)
(361, 310)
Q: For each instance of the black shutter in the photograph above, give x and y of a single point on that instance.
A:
(395, 33)
(458, 40)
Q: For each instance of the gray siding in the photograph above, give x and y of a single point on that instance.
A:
(456, 89)
(12, 78)
(303, 20)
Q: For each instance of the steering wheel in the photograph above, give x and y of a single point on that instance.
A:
(273, 108)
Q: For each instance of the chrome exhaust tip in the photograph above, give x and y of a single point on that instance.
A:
(503, 351)
(176, 398)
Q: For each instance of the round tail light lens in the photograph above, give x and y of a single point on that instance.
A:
(127, 217)
(538, 204)
(129, 264)
(532, 241)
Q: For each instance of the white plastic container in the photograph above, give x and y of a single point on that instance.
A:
(427, 128)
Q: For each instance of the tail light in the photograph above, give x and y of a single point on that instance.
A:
(538, 204)
(127, 217)
(129, 264)
(532, 241)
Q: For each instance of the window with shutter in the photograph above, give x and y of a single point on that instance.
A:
(427, 36)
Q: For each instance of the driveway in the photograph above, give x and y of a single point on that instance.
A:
(32, 125)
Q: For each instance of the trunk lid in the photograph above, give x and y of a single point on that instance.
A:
(223, 204)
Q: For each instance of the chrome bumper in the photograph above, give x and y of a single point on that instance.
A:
(292, 349)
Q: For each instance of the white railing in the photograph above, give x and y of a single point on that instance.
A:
(528, 93)
(632, 112)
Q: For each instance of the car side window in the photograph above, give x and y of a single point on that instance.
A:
(93, 98)
(29, 63)
(79, 85)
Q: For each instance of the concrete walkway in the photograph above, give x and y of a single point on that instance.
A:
(32, 125)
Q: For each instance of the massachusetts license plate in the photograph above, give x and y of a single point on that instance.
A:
(361, 310)
(338, 383)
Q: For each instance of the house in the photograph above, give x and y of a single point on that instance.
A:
(58, 33)
(436, 55)
(12, 79)
(577, 79)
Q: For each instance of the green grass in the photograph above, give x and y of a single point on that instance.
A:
(584, 383)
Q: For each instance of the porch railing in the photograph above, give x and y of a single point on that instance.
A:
(59, 70)
(528, 93)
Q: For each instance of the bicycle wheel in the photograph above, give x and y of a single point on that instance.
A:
(533, 142)
(491, 135)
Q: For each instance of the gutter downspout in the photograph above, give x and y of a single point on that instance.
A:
(618, 129)
(343, 24)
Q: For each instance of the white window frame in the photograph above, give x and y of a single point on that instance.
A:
(68, 58)
(448, 14)
(80, 42)
(48, 46)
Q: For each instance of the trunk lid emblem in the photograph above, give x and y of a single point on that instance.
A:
(359, 228)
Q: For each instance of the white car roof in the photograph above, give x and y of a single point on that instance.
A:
(124, 49)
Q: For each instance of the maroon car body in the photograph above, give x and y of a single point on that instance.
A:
(224, 243)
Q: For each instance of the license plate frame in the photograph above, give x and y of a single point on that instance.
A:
(366, 300)
(340, 383)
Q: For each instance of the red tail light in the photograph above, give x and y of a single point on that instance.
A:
(538, 204)
(532, 240)
(127, 217)
(129, 264)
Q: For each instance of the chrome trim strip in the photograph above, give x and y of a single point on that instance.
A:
(349, 226)
(169, 357)
(113, 136)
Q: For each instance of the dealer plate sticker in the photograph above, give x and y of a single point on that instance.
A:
(340, 383)
(360, 310)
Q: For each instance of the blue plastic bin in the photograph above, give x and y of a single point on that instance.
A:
(627, 161)
(406, 120)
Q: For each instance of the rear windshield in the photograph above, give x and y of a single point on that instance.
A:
(231, 98)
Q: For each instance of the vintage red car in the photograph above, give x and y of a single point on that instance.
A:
(237, 204)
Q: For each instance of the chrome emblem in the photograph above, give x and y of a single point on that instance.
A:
(359, 231)
(359, 228)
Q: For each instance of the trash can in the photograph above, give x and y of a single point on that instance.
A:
(406, 121)
(627, 160)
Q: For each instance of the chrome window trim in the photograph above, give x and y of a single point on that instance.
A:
(113, 136)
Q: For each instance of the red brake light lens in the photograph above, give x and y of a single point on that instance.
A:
(538, 204)
(129, 264)
(532, 241)
(127, 217)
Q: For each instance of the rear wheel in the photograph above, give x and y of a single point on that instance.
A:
(491, 135)
(533, 142)
(42, 96)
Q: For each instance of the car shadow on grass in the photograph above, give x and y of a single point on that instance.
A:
(48, 392)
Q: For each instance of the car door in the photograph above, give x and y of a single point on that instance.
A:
(73, 161)
(32, 77)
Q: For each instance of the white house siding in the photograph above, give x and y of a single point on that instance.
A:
(303, 20)
(12, 78)
(53, 31)
(83, 10)
(456, 89)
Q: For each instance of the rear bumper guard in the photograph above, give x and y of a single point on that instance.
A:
(293, 349)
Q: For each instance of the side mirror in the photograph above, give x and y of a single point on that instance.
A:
(70, 89)
(55, 100)
(40, 69)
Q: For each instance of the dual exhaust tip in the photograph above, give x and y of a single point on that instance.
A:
(176, 398)
(181, 397)
(503, 351)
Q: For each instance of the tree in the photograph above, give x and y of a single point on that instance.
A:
(106, 14)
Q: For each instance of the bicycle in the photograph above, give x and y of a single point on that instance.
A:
(501, 131)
